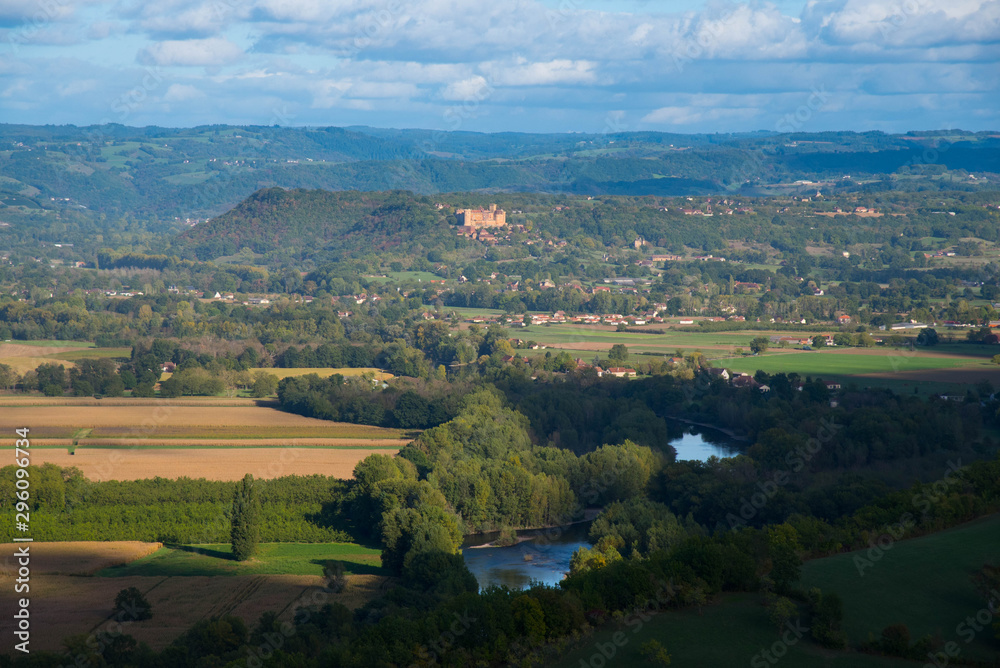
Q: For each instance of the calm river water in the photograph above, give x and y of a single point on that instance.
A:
(545, 556)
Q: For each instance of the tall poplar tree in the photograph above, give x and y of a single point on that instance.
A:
(245, 532)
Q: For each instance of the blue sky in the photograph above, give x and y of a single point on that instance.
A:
(523, 65)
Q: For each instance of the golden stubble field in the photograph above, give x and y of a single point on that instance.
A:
(217, 440)
(147, 418)
(219, 463)
(65, 602)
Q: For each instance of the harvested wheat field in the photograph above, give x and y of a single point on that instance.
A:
(25, 364)
(120, 425)
(77, 557)
(24, 350)
(229, 464)
(65, 605)
(165, 414)
(14, 400)
(394, 443)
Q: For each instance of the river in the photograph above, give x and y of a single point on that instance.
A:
(544, 556)
(699, 443)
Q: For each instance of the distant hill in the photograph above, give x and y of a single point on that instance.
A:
(165, 173)
(318, 223)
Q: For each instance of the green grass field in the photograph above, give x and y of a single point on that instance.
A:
(54, 344)
(923, 583)
(92, 353)
(273, 559)
(322, 372)
(423, 276)
(665, 342)
(820, 362)
(730, 632)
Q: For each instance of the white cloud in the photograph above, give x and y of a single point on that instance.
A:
(213, 51)
(542, 74)
(182, 93)
(525, 63)
(473, 88)
(691, 115)
(78, 86)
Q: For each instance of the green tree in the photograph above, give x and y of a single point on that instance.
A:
(132, 606)
(264, 384)
(759, 344)
(618, 353)
(782, 611)
(654, 653)
(8, 377)
(245, 532)
(783, 550)
(927, 337)
(864, 340)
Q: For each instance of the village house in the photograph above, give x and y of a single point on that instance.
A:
(621, 372)
(719, 373)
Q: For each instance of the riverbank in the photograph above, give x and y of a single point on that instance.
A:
(588, 516)
(722, 430)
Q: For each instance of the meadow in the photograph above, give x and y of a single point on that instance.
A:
(322, 372)
(886, 593)
(272, 559)
(847, 362)
(730, 632)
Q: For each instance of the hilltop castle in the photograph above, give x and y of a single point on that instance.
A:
(476, 219)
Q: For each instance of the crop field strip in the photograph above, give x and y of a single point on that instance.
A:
(64, 603)
(211, 463)
(197, 443)
(163, 439)
(19, 400)
(147, 419)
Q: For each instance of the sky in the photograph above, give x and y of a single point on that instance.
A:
(592, 66)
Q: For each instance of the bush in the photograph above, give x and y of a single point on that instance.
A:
(131, 605)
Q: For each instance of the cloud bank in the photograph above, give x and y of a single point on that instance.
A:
(509, 65)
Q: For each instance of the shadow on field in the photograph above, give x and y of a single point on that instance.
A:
(218, 554)
(349, 567)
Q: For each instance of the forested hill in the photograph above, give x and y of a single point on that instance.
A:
(317, 222)
(163, 174)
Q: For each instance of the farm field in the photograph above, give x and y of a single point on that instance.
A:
(28, 355)
(92, 353)
(273, 559)
(79, 557)
(212, 463)
(885, 594)
(179, 421)
(729, 632)
(68, 605)
(181, 584)
(221, 442)
(322, 372)
(569, 336)
(16, 400)
(134, 440)
(848, 362)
